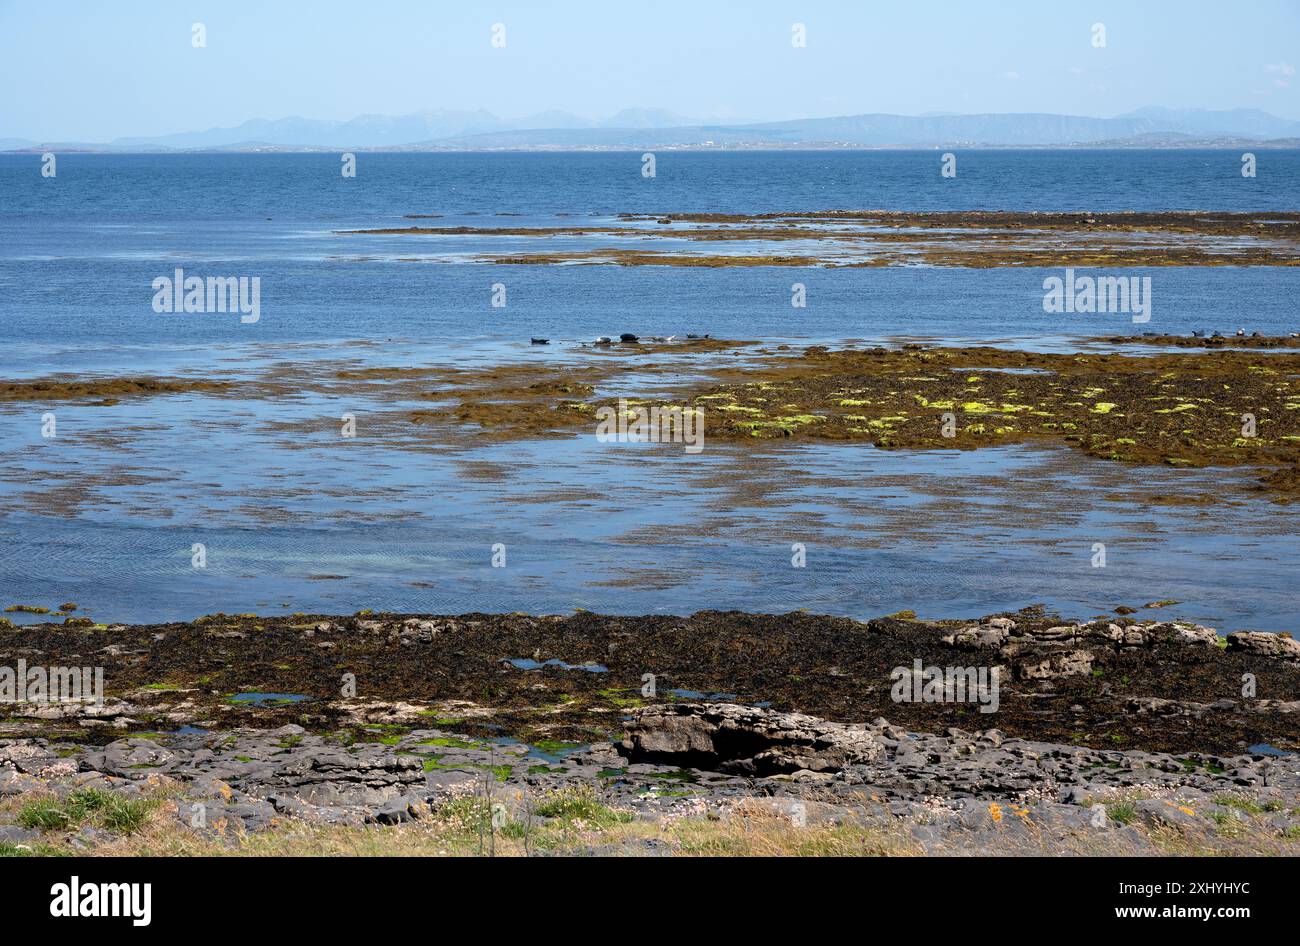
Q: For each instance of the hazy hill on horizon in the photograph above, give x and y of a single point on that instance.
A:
(436, 129)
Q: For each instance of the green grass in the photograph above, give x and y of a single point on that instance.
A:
(1244, 804)
(9, 849)
(579, 804)
(86, 805)
(1122, 812)
(44, 814)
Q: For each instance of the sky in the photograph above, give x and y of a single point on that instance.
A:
(93, 71)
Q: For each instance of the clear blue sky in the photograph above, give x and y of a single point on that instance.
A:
(93, 71)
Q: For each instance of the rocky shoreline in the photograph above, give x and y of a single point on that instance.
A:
(1108, 734)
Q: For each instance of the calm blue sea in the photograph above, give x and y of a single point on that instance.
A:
(79, 252)
(106, 513)
(309, 187)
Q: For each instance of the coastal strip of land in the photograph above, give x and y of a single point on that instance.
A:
(661, 734)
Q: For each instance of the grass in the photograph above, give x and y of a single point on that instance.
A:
(580, 804)
(10, 849)
(1227, 825)
(86, 806)
(1246, 805)
(1122, 812)
(578, 820)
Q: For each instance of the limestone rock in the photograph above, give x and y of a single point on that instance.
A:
(1063, 663)
(727, 737)
(1280, 646)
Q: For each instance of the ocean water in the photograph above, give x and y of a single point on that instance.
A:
(106, 513)
(79, 252)
(132, 189)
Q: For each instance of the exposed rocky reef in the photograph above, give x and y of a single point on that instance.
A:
(1173, 409)
(1110, 682)
(238, 722)
(1237, 406)
(896, 238)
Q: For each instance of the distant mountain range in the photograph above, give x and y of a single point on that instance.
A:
(635, 129)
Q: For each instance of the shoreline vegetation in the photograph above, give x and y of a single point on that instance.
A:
(523, 734)
(972, 239)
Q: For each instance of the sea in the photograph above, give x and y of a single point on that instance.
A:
(109, 511)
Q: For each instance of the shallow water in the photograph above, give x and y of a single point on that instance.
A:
(261, 699)
(637, 528)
